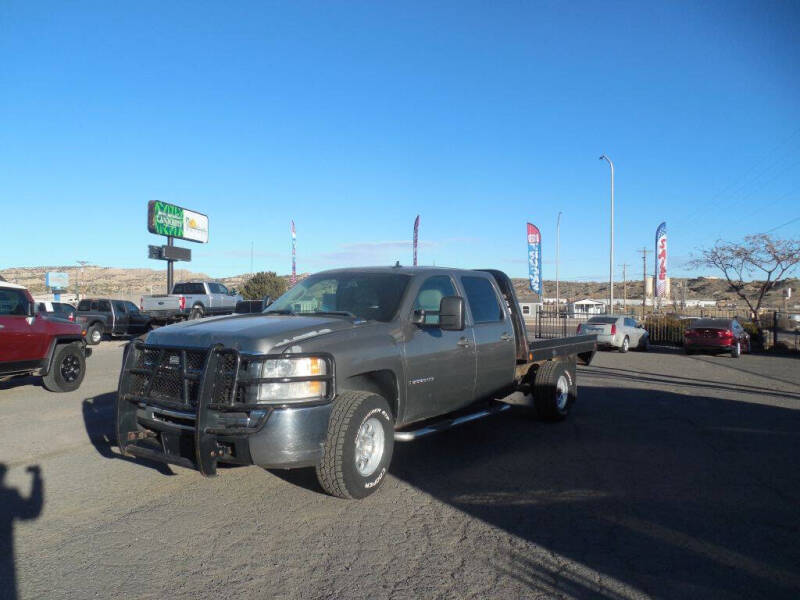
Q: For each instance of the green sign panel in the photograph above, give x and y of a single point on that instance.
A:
(173, 221)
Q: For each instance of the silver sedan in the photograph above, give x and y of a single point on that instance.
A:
(621, 333)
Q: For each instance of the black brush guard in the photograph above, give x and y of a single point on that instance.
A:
(194, 396)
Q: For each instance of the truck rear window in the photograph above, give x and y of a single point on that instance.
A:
(482, 300)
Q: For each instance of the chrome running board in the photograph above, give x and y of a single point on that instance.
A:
(436, 427)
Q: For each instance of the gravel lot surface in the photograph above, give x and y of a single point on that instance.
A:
(675, 477)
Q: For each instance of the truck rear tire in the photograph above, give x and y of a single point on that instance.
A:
(68, 369)
(94, 334)
(358, 447)
(554, 391)
(197, 312)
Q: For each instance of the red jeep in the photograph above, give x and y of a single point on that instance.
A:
(34, 343)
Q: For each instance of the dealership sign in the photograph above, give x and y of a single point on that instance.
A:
(173, 221)
(535, 258)
(661, 260)
(56, 281)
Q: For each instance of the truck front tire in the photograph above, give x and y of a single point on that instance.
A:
(94, 334)
(68, 369)
(358, 446)
(554, 391)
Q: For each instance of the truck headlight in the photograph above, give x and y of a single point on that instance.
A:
(293, 391)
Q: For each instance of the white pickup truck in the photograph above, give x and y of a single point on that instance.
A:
(190, 300)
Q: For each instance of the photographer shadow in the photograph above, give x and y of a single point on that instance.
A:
(15, 507)
(99, 419)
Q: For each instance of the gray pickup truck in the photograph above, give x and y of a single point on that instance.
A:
(190, 300)
(339, 368)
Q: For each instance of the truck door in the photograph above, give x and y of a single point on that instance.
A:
(22, 338)
(121, 317)
(494, 336)
(104, 310)
(440, 365)
(216, 296)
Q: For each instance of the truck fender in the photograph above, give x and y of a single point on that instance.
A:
(382, 382)
(51, 350)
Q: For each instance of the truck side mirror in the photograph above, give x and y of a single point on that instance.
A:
(30, 309)
(266, 301)
(451, 313)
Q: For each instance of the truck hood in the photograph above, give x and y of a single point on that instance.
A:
(249, 333)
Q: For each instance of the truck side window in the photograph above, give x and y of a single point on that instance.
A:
(430, 297)
(196, 288)
(104, 306)
(179, 288)
(13, 302)
(482, 300)
(84, 305)
(120, 306)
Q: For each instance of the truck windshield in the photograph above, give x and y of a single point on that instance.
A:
(368, 296)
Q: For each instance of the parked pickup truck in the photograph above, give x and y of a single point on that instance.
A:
(190, 300)
(336, 370)
(103, 316)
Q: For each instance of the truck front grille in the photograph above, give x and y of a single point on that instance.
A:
(175, 378)
(166, 375)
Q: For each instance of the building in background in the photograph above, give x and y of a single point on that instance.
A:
(587, 306)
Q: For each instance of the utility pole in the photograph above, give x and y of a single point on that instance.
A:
(558, 244)
(644, 252)
(624, 287)
(683, 294)
(82, 263)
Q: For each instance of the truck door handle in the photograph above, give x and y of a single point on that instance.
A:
(463, 342)
(506, 337)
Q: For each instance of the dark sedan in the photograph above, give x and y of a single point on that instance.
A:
(716, 335)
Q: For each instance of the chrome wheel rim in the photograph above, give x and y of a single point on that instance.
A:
(370, 442)
(96, 335)
(625, 344)
(70, 368)
(562, 392)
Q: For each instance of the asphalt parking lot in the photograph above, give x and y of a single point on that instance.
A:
(675, 477)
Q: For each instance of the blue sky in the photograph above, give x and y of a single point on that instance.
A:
(353, 117)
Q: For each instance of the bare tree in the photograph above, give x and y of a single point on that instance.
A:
(764, 260)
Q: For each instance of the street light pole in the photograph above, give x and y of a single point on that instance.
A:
(558, 245)
(611, 253)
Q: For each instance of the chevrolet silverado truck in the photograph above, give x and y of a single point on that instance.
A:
(336, 370)
(190, 300)
(39, 343)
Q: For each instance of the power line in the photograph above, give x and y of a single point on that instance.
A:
(742, 183)
(783, 225)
